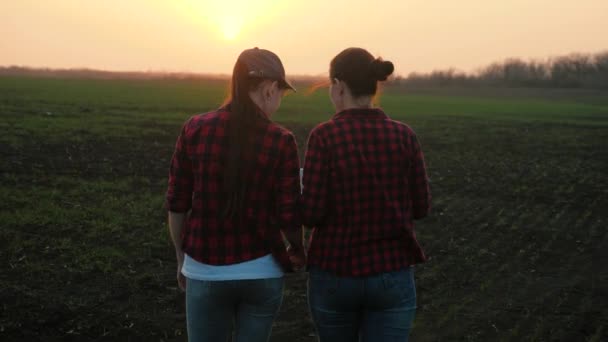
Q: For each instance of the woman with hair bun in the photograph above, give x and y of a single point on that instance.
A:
(364, 184)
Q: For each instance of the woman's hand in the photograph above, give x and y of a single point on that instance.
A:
(181, 279)
(297, 257)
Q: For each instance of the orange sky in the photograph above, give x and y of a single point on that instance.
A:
(206, 36)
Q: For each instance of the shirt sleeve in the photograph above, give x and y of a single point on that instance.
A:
(418, 181)
(179, 193)
(288, 184)
(313, 202)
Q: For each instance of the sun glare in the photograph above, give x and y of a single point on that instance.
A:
(231, 27)
(231, 18)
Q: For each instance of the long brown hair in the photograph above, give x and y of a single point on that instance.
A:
(245, 116)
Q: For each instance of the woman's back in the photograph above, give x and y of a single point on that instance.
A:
(375, 186)
(203, 144)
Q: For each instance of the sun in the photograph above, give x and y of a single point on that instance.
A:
(231, 27)
(231, 19)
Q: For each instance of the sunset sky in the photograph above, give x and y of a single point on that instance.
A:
(206, 36)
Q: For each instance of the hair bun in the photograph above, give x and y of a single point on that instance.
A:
(381, 69)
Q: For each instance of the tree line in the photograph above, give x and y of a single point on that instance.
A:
(569, 71)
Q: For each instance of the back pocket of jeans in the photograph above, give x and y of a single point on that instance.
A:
(400, 285)
(321, 283)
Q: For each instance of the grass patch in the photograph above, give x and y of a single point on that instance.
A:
(516, 237)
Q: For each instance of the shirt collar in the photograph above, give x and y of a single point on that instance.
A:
(366, 113)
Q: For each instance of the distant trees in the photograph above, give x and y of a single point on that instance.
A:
(103, 74)
(571, 71)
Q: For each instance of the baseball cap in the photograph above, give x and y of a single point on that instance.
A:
(265, 64)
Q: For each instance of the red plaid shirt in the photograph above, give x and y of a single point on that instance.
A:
(195, 180)
(364, 183)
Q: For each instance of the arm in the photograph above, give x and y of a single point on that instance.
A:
(288, 191)
(179, 199)
(179, 191)
(418, 181)
(313, 202)
(176, 222)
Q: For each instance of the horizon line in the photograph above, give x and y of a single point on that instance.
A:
(223, 75)
(152, 73)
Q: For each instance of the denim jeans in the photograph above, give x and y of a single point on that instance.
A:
(375, 308)
(213, 308)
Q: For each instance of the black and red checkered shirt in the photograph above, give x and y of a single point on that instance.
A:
(365, 182)
(195, 180)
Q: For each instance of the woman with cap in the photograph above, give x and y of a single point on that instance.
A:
(233, 187)
(364, 184)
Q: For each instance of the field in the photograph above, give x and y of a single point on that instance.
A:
(517, 237)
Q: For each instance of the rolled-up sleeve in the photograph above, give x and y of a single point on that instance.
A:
(179, 193)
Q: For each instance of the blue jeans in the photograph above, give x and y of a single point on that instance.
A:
(375, 308)
(214, 307)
